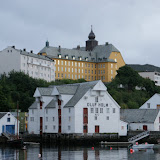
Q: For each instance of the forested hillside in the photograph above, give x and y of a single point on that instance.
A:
(129, 96)
(18, 87)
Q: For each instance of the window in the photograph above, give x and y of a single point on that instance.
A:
(95, 118)
(96, 99)
(92, 110)
(79, 64)
(53, 118)
(96, 110)
(54, 127)
(107, 109)
(65, 63)
(107, 118)
(32, 119)
(69, 127)
(58, 62)
(111, 71)
(148, 105)
(32, 111)
(69, 118)
(62, 69)
(114, 110)
(88, 65)
(45, 126)
(69, 110)
(111, 65)
(69, 63)
(8, 119)
(46, 119)
(59, 56)
(61, 62)
(101, 110)
(46, 111)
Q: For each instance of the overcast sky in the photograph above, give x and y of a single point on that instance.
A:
(132, 26)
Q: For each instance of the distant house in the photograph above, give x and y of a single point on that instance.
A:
(8, 123)
(83, 108)
(141, 119)
(154, 76)
(152, 103)
(36, 66)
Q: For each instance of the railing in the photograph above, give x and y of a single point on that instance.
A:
(137, 137)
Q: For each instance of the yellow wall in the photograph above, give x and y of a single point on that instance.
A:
(73, 69)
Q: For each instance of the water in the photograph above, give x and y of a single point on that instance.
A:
(77, 153)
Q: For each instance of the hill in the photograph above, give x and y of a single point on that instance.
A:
(144, 68)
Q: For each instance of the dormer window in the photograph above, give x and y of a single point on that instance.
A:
(80, 58)
(73, 57)
(86, 58)
(66, 56)
(59, 56)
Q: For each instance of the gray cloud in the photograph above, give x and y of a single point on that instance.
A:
(130, 25)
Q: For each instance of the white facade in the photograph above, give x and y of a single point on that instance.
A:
(35, 66)
(154, 76)
(8, 123)
(103, 113)
(152, 103)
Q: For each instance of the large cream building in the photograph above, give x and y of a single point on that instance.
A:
(92, 62)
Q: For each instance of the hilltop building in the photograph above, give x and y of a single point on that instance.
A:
(92, 62)
(148, 71)
(36, 66)
(80, 108)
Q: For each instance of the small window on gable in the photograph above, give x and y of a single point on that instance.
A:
(86, 58)
(114, 110)
(66, 56)
(148, 105)
(8, 119)
(59, 56)
(73, 57)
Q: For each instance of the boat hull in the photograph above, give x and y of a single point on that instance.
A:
(143, 146)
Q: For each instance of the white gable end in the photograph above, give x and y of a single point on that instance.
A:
(99, 86)
(37, 93)
(55, 91)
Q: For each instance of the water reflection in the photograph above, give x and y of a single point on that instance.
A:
(77, 153)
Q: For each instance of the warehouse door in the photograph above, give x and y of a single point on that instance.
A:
(10, 129)
(96, 129)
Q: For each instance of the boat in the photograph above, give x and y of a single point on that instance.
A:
(142, 146)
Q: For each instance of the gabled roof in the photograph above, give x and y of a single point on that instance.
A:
(33, 106)
(82, 88)
(138, 115)
(2, 114)
(45, 91)
(99, 54)
(52, 104)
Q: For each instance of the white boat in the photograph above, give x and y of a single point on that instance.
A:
(143, 146)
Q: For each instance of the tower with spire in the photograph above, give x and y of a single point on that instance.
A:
(91, 43)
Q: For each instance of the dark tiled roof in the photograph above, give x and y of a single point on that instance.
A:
(82, 88)
(100, 53)
(51, 104)
(138, 115)
(33, 106)
(2, 114)
(45, 91)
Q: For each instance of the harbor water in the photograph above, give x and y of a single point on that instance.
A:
(36, 152)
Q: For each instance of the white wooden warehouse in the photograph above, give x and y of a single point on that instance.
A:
(75, 108)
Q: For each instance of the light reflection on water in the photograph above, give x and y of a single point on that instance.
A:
(77, 153)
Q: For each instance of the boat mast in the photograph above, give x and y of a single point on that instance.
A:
(17, 120)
